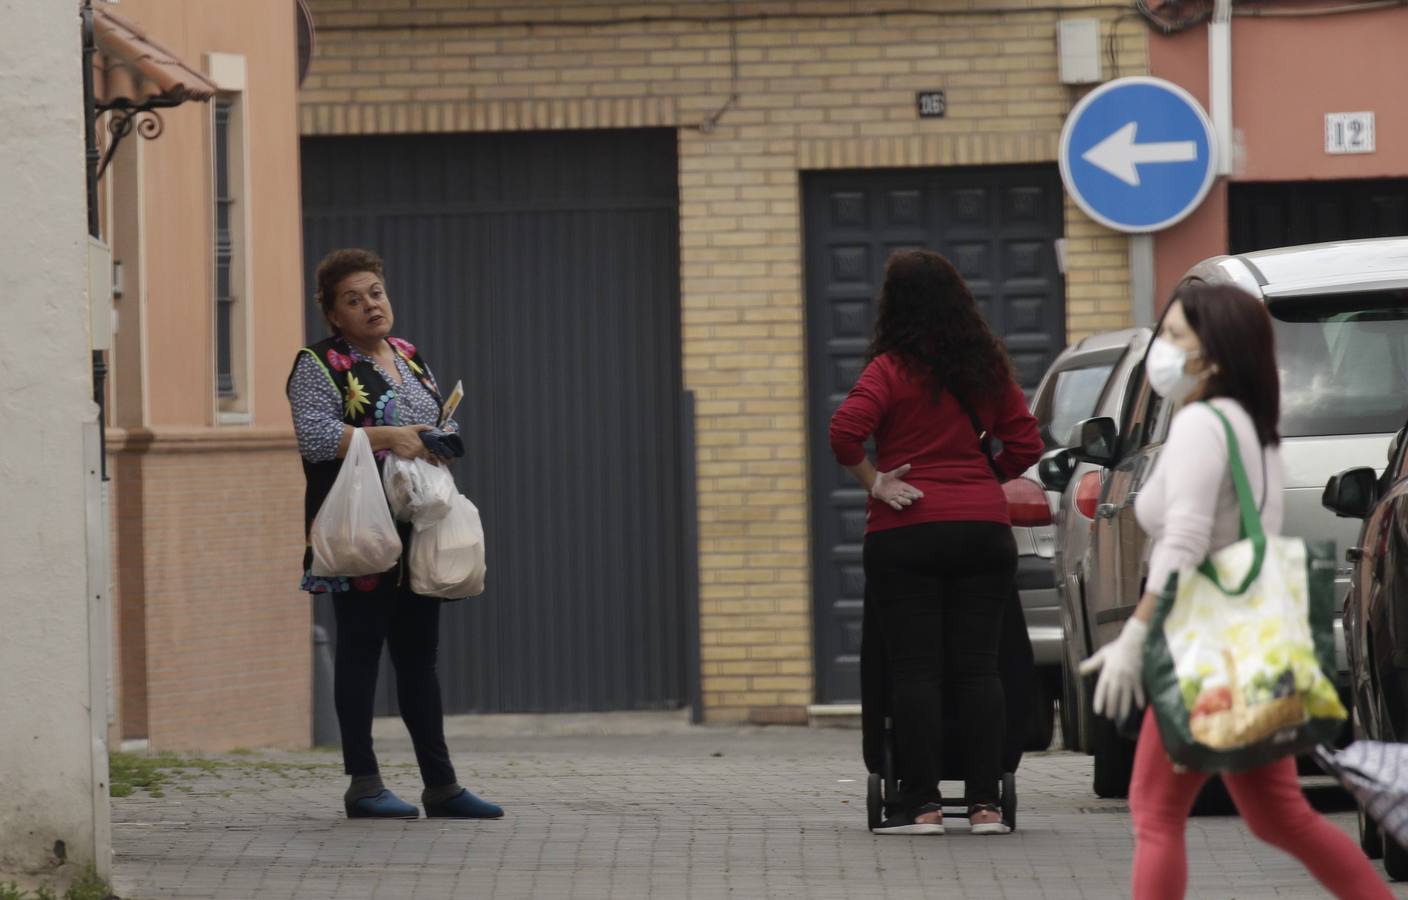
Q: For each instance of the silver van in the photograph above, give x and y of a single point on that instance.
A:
(1340, 313)
(1070, 392)
(1075, 491)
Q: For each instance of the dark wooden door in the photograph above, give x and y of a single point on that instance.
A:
(999, 226)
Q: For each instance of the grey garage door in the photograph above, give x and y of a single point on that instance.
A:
(543, 271)
(999, 226)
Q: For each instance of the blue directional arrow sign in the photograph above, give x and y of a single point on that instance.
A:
(1138, 154)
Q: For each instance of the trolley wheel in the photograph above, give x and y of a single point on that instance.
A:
(891, 780)
(874, 803)
(1370, 841)
(1008, 799)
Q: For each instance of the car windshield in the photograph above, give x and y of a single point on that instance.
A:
(1073, 399)
(1344, 363)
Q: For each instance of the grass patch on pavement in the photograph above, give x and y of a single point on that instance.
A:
(87, 886)
(155, 774)
(129, 771)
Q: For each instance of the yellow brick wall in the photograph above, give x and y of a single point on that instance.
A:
(830, 88)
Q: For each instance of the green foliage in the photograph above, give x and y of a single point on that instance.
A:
(155, 774)
(87, 886)
(129, 771)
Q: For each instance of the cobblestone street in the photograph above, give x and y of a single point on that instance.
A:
(687, 813)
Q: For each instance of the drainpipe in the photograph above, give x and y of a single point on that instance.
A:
(90, 170)
(1220, 81)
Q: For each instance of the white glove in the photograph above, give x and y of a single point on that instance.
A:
(888, 488)
(1121, 667)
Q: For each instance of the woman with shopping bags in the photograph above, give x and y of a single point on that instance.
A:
(1215, 354)
(360, 387)
(939, 557)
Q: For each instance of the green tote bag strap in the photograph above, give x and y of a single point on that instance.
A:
(1251, 518)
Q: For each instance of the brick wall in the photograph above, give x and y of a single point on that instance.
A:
(213, 637)
(831, 89)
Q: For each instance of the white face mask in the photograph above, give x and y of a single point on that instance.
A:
(1166, 374)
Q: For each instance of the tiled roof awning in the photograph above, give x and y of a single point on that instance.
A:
(131, 70)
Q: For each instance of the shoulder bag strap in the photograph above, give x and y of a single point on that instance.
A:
(984, 439)
(1251, 527)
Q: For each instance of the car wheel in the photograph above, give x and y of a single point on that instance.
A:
(1370, 841)
(1070, 711)
(1395, 860)
(1114, 759)
(1041, 724)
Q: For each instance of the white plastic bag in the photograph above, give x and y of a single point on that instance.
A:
(416, 490)
(447, 559)
(353, 533)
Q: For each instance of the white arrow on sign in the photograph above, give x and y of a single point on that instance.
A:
(1118, 154)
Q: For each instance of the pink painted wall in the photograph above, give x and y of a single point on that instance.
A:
(1286, 74)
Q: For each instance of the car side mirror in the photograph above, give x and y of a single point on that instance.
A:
(1096, 440)
(1055, 470)
(1351, 493)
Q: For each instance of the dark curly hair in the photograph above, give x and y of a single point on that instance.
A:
(336, 266)
(930, 321)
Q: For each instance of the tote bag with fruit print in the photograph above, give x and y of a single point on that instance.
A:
(1236, 658)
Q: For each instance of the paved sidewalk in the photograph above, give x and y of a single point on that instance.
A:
(698, 813)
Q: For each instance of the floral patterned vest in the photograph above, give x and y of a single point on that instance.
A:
(368, 399)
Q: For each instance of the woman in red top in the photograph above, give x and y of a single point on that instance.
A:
(940, 561)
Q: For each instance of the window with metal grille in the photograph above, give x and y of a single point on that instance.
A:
(224, 252)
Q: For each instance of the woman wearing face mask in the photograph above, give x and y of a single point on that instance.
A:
(1215, 345)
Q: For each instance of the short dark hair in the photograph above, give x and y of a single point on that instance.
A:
(336, 266)
(1236, 333)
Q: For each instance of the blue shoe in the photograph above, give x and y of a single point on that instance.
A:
(385, 805)
(463, 805)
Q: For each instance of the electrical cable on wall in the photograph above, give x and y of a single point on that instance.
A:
(1177, 16)
(712, 121)
(737, 17)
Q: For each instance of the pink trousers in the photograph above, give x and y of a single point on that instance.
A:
(1271, 802)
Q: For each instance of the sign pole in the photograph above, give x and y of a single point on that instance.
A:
(1141, 279)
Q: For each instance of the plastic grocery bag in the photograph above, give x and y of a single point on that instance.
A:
(447, 559)
(1237, 674)
(353, 533)
(417, 490)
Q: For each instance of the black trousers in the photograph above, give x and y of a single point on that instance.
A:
(938, 591)
(409, 625)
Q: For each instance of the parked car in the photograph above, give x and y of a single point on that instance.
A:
(1341, 324)
(1069, 392)
(1075, 487)
(1376, 616)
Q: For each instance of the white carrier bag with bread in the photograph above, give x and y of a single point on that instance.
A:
(1236, 656)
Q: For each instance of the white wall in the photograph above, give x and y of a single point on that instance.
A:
(50, 788)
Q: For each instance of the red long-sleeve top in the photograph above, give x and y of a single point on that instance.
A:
(937, 439)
